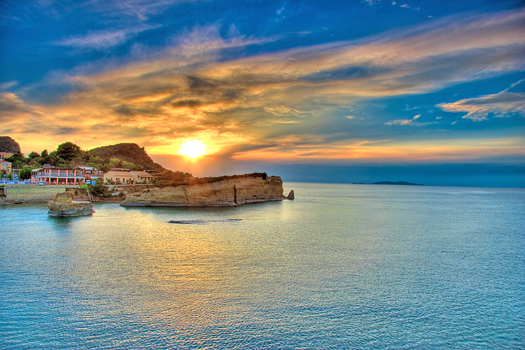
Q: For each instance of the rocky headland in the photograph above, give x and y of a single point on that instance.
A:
(63, 205)
(213, 191)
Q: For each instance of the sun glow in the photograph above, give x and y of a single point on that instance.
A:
(192, 149)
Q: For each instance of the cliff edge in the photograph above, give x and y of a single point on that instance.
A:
(222, 191)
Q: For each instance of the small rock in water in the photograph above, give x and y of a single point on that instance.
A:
(187, 222)
(199, 222)
(63, 205)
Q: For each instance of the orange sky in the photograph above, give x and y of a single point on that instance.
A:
(445, 86)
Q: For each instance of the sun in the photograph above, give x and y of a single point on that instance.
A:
(192, 149)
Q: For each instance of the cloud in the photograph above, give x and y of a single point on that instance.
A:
(102, 39)
(280, 13)
(411, 122)
(503, 104)
(371, 2)
(116, 12)
(194, 89)
(282, 110)
(7, 85)
(10, 102)
(420, 60)
(303, 150)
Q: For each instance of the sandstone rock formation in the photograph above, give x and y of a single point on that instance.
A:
(64, 206)
(223, 191)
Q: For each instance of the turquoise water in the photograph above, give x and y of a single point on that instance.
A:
(342, 266)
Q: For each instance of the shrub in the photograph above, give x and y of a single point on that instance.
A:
(99, 190)
(25, 173)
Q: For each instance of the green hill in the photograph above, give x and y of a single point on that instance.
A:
(129, 152)
(8, 145)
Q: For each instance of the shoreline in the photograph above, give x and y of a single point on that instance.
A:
(80, 198)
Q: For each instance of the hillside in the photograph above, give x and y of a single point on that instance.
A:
(129, 152)
(8, 145)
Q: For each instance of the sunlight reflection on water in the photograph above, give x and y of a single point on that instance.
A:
(341, 266)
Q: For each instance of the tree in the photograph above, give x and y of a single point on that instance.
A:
(170, 178)
(39, 161)
(44, 153)
(131, 166)
(25, 173)
(115, 163)
(99, 190)
(68, 151)
(84, 156)
(18, 160)
(33, 155)
(53, 159)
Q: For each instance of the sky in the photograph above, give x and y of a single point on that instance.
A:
(320, 91)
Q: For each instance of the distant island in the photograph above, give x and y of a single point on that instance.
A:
(404, 183)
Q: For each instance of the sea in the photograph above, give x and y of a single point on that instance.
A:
(339, 267)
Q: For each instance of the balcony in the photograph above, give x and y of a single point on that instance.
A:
(56, 174)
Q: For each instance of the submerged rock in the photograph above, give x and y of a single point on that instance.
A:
(200, 222)
(64, 206)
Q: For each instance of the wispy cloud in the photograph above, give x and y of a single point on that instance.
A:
(322, 150)
(412, 122)
(7, 85)
(503, 104)
(102, 39)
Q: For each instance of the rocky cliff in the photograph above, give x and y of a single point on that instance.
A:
(223, 191)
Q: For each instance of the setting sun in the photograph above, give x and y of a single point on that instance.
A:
(192, 149)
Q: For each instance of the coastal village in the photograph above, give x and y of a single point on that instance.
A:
(67, 169)
(103, 174)
(50, 175)
(70, 180)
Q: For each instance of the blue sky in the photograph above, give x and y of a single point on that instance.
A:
(361, 89)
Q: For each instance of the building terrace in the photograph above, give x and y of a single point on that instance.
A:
(49, 175)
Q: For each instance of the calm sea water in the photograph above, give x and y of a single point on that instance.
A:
(342, 266)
